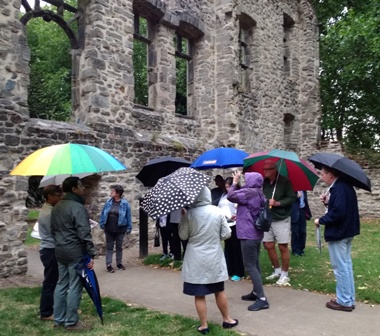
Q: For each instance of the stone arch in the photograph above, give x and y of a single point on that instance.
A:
(48, 16)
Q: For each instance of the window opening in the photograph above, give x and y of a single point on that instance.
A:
(288, 25)
(141, 42)
(244, 57)
(51, 36)
(184, 73)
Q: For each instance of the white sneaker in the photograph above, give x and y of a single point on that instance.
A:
(273, 276)
(283, 281)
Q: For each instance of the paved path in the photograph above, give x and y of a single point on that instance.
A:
(291, 312)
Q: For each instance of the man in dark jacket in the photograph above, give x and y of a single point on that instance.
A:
(71, 230)
(341, 225)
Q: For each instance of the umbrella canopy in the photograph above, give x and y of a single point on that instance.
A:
(301, 174)
(58, 179)
(174, 191)
(67, 159)
(222, 157)
(348, 169)
(90, 283)
(160, 167)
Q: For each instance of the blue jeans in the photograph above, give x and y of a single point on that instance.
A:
(341, 263)
(67, 295)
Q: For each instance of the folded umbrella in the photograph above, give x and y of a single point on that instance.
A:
(301, 174)
(222, 157)
(68, 158)
(160, 167)
(90, 283)
(349, 170)
(174, 191)
(318, 238)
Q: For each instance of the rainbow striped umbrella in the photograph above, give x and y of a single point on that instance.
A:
(67, 159)
(301, 174)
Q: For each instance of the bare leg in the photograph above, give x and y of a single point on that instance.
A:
(221, 302)
(272, 254)
(285, 256)
(200, 305)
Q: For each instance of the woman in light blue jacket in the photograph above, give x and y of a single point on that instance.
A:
(204, 267)
(116, 221)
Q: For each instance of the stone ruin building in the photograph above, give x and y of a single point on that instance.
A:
(252, 83)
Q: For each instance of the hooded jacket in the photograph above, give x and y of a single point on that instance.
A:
(204, 226)
(250, 199)
(70, 227)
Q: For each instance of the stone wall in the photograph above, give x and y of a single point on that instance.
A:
(272, 108)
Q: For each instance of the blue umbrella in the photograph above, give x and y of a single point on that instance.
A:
(90, 283)
(222, 157)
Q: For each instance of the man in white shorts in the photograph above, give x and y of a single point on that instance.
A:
(281, 203)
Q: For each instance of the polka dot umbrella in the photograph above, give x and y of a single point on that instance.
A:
(174, 191)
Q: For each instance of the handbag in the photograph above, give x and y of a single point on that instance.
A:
(157, 238)
(264, 221)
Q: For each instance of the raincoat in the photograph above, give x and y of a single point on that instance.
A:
(204, 226)
(249, 198)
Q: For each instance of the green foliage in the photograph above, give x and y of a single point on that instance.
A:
(49, 95)
(350, 72)
(141, 72)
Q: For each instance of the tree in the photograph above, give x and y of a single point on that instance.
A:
(350, 72)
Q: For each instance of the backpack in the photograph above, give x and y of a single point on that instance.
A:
(263, 215)
(264, 221)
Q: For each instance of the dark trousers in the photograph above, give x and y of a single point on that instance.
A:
(111, 239)
(177, 242)
(167, 239)
(251, 256)
(232, 252)
(47, 256)
(298, 228)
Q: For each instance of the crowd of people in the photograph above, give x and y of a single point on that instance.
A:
(225, 213)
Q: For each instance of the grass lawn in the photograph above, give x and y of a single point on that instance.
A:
(19, 316)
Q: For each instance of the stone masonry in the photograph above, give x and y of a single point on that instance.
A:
(254, 86)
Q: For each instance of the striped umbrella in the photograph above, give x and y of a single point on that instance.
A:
(301, 174)
(67, 159)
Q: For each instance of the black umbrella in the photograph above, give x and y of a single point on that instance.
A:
(174, 191)
(90, 283)
(160, 167)
(348, 169)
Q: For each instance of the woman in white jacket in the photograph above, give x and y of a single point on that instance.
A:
(204, 267)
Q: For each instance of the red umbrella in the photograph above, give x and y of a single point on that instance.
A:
(301, 174)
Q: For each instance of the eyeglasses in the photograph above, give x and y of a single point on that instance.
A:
(268, 169)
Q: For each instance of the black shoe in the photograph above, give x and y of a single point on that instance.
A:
(110, 269)
(203, 331)
(120, 267)
(249, 297)
(258, 305)
(227, 325)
